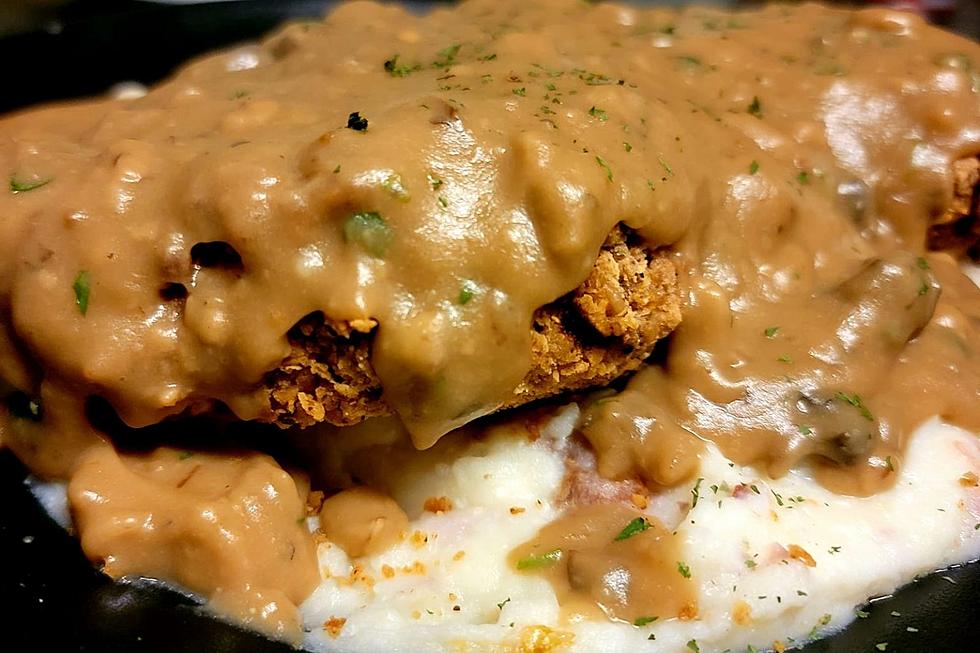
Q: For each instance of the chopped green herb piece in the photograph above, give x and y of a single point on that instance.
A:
(393, 184)
(689, 62)
(801, 593)
(184, 455)
(751, 564)
(540, 561)
(923, 288)
(503, 603)
(753, 167)
(667, 168)
(755, 107)
(888, 464)
(395, 70)
(239, 94)
(684, 570)
(635, 527)
(447, 56)
(693, 645)
(370, 231)
(855, 400)
(805, 430)
(466, 293)
(487, 57)
(779, 497)
(882, 646)
(922, 263)
(520, 91)
(755, 488)
(651, 636)
(696, 493)
(337, 169)
(803, 177)
(834, 549)
(643, 621)
(751, 649)
(82, 286)
(598, 114)
(772, 331)
(17, 186)
(785, 358)
(911, 629)
(862, 614)
(824, 620)
(627, 147)
(605, 166)
(443, 202)
(435, 182)
(356, 122)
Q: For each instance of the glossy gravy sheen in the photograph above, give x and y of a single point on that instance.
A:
(155, 252)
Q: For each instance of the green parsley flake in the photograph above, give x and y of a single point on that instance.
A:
(627, 146)
(393, 184)
(753, 167)
(184, 455)
(696, 493)
(805, 430)
(803, 177)
(862, 614)
(684, 570)
(393, 68)
(922, 263)
(785, 358)
(605, 166)
(520, 91)
(17, 186)
(693, 645)
(82, 286)
(639, 622)
(755, 107)
(503, 603)
(635, 527)
(855, 400)
(751, 564)
(598, 114)
(882, 646)
(447, 56)
(772, 331)
(370, 231)
(540, 561)
(466, 293)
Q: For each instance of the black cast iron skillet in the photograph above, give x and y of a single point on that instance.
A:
(53, 599)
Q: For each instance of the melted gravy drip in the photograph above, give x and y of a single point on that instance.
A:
(792, 176)
(231, 528)
(591, 565)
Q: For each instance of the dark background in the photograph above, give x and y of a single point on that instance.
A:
(52, 599)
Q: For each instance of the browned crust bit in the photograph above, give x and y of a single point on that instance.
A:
(603, 329)
(958, 229)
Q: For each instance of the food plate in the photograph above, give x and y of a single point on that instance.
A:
(56, 599)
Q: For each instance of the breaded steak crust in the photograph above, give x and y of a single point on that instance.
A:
(601, 330)
(958, 229)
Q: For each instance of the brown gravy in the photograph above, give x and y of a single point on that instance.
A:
(156, 251)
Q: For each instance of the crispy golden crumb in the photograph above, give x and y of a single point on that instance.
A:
(334, 625)
(958, 228)
(604, 328)
(387, 571)
(742, 613)
(438, 504)
(516, 510)
(640, 501)
(459, 555)
(419, 539)
(969, 479)
(799, 553)
(314, 501)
